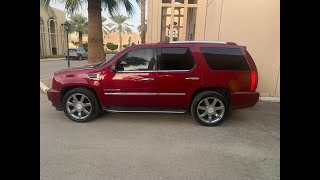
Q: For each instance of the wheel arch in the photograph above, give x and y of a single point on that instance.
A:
(66, 89)
(224, 91)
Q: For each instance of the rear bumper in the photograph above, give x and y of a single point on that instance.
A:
(54, 97)
(244, 99)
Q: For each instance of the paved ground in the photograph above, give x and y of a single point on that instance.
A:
(160, 146)
(47, 68)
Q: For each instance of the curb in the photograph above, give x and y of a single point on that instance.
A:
(55, 59)
(270, 99)
(43, 87)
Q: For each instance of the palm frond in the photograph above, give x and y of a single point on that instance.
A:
(110, 25)
(115, 29)
(45, 4)
(111, 6)
(126, 24)
(129, 7)
(128, 30)
(72, 5)
(78, 23)
(120, 25)
(103, 19)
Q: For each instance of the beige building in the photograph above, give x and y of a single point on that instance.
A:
(254, 24)
(52, 34)
(107, 38)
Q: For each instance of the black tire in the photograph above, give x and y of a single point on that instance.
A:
(79, 57)
(95, 106)
(200, 98)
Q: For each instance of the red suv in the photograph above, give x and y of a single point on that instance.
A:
(207, 78)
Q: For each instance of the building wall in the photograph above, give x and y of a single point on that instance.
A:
(257, 28)
(107, 37)
(55, 40)
(254, 24)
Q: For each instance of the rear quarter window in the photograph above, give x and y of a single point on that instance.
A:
(225, 58)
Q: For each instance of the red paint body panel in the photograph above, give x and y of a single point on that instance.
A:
(168, 89)
(244, 99)
(54, 97)
(128, 83)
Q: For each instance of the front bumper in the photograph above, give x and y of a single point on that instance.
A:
(55, 98)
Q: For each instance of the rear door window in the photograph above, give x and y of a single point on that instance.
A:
(175, 59)
(225, 58)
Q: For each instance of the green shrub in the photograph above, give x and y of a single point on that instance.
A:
(112, 46)
(125, 46)
(85, 46)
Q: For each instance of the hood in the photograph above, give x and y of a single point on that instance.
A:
(80, 68)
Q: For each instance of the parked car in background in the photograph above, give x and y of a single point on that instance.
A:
(206, 78)
(77, 53)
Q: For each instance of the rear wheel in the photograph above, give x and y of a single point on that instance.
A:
(81, 105)
(210, 108)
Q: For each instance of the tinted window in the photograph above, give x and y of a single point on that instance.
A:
(225, 58)
(137, 60)
(176, 59)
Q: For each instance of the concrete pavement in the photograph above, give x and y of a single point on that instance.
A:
(160, 146)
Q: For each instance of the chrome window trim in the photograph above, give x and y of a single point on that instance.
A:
(175, 70)
(171, 94)
(148, 71)
(155, 71)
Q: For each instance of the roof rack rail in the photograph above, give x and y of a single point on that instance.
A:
(209, 42)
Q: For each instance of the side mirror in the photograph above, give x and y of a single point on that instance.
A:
(112, 68)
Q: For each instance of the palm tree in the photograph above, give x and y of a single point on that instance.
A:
(79, 24)
(105, 28)
(139, 28)
(120, 26)
(143, 20)
(95, 38)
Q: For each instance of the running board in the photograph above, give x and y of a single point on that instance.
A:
(145, 110)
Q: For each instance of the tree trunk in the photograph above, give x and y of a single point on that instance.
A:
(95, 38)
(80, 40)
(143, 21)
(120, 40)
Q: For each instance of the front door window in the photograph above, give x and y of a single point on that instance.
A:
(137, 60)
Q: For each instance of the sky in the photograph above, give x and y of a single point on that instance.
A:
(134, 20)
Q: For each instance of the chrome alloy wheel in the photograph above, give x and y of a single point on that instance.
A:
(79, 106)
(210, 110)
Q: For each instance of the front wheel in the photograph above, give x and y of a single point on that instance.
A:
(81, 105)
(210, 108)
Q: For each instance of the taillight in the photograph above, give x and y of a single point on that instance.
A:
(254, 80)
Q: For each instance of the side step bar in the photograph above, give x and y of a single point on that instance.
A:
(146, 110)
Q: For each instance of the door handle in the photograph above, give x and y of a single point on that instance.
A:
(147, 79)
(192, 78)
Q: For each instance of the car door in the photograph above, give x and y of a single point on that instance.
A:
(82, 52)
(178, 76)
(134, 84)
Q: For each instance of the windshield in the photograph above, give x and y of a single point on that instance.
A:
(103, 63)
